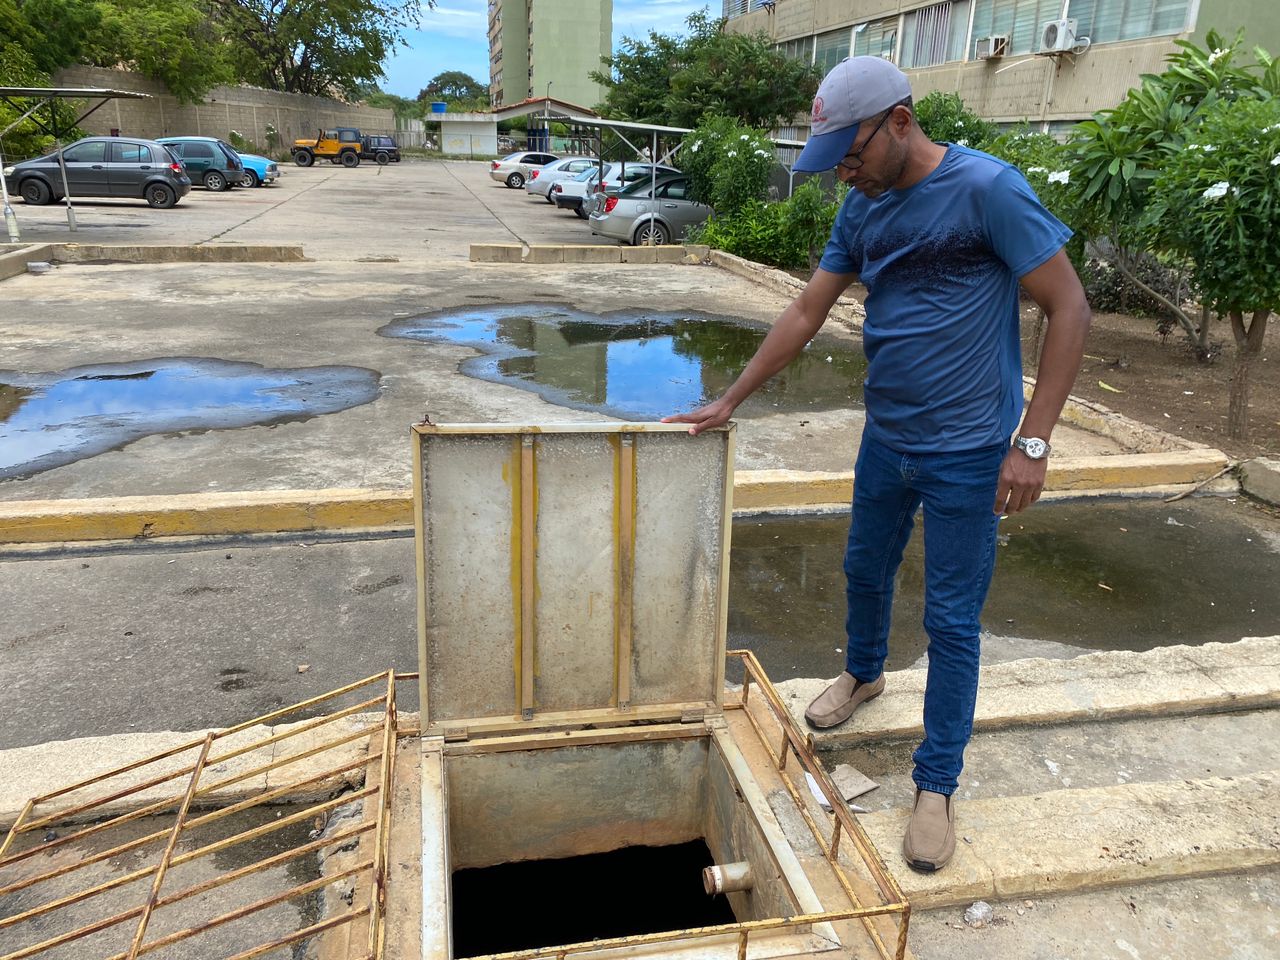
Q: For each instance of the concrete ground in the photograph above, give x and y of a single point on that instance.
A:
(414, 221)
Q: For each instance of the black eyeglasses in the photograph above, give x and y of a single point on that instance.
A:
(852, 161)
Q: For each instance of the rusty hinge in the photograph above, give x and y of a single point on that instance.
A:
(456, 734)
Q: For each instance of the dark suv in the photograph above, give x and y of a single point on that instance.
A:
(103, 167)
(379, 149)
(208, 160)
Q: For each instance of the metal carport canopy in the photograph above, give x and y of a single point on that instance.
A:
(45, 96)
(657, 128)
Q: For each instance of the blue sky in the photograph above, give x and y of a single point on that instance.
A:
(454, 36)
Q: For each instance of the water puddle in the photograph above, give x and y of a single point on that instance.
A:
(635, 364)
(1075, 577)
(48, 420)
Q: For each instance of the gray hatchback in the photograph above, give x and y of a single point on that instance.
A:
(103, 167)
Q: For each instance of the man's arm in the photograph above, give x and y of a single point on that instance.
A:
(796, 326)
(1056, 288)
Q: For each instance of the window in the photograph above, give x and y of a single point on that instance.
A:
(330, 135)
(95, 151)
(124, 152)
(935, 34)
(1019, 20)
(194, 149)
(878, 38)
(734, 8)
(675, 190)
(1105, 21)
(830, 48)
(801, 49)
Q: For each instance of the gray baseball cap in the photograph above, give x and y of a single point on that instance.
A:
(855, 89)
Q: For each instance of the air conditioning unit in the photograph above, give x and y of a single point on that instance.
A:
(1057, 36)
(992, 48)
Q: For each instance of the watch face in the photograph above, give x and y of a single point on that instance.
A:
(1034, 447)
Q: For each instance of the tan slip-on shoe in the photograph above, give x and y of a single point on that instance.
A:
(931, 835)
(836, 703)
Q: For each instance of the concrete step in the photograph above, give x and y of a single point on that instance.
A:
(1064, 841)
(1231, 916)
(1169, 681)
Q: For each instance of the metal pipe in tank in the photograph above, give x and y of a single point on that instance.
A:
(727, 878)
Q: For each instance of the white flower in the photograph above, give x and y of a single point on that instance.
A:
(695, 146)
(762, 153)
(962, 143)
(732, 153)
(1037, 169)
(1206, 147)
(1217, 191)
(1274, 126)
(1060, 176)
(745, 137)
(1216, 56)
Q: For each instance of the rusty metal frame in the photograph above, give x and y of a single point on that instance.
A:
(121, 803)
(894, 902)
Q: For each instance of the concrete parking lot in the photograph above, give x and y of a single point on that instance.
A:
(411, 210)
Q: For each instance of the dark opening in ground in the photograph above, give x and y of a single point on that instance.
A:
(540, 903)
(636, 364)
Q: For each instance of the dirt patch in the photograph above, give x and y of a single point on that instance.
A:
(1159, 381)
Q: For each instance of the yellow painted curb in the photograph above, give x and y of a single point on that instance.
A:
(291, 511)
(259, 511)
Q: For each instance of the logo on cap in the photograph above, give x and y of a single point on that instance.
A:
(818, 107)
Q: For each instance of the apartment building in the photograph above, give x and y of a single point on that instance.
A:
(1050, 62)
(541, 48)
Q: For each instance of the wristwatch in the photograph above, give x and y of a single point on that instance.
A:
(1033, 447)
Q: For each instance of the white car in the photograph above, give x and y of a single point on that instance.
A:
(513, 170)
(576, 194)
(638, 217)
(539, 181)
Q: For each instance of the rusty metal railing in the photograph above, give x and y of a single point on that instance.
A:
(120, 800)
(844, 824)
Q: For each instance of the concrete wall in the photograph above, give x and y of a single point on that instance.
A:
(246, 110)
(1009, 89)
(469, 137)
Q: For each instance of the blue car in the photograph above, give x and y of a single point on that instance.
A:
(258, 171)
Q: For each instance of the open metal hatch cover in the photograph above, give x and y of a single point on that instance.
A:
(570, 574)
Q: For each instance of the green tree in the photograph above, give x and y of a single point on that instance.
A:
(945, 118)
(679, 80)
(457, 89)
(1120, 152)
(172, 41)
(317, 47)
(1217, 202)
(728, 164)
(54, 33)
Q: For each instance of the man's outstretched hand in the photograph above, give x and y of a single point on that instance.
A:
(714, 414)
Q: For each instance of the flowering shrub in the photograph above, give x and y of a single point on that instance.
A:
(728, 165)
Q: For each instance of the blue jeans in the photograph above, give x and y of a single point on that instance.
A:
(958, 491)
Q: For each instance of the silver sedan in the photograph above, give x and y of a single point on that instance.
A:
(638, 217)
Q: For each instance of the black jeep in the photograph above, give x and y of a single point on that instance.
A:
(379, 149)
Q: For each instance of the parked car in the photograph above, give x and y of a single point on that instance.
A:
(103, 167)
(513, 169)
(540, 180)
(576, 194)
(379, 148)
(209, 161)
(638, 217)
(258, 171)
(338, 145)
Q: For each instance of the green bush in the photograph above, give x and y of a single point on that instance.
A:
(944, 117)
(790, 234)
(728, 164)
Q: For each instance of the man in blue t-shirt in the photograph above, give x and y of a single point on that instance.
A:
(942, 237)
